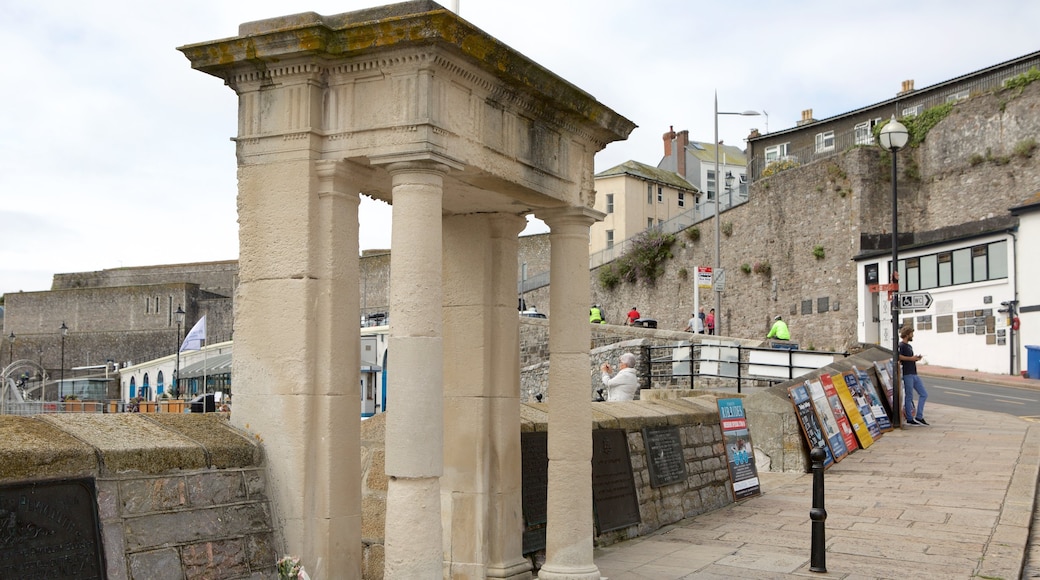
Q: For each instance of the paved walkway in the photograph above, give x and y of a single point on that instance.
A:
(954, 500)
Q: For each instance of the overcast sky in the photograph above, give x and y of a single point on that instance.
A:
(114, 152)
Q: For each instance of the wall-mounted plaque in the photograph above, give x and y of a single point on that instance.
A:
(664, 456)
(823, 304)
(614, 499)
(50, 530)
(534, 460)
(944, 323)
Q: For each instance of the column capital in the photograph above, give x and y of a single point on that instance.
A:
(562, 216)
(423, 161)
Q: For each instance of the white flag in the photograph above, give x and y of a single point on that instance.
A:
(195, 337)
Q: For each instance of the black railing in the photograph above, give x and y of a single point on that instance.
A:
(706, 364)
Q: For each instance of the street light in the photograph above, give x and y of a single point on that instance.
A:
(718, 219)
(893, 137)
(177, 345)
(64, 332)
(10, 351)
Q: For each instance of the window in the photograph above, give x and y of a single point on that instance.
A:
(660, 194)
(776, 152)
(610, 203)
(610, 239)
(825, 142)
(660, 222)
(743, 179)
(649, 223)
(958, 96)
(682, 199)
(649, 193)
(911, 111)
(863, 136)
(963, 266)
(710, 186)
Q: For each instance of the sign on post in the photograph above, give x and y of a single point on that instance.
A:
(720, 280)
(915, 300)
(703, 277)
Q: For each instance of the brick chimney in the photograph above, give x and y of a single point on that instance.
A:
(682, 140)
(668, 138)
(806, 118)
(908, 87)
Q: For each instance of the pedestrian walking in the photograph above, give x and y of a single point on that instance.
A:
(695, 325)
(709, 322)
(911, 380)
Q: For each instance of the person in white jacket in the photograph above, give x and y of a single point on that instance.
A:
(625, 383)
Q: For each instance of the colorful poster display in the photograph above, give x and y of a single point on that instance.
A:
(839, 414)
(859, 423)
(799, 395)
(871, 394)
(739, 452)
(856, 390)
(827, 419)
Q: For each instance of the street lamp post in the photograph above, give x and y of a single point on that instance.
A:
(177, 345)
(64, 332)
(718, 218)
(893, 137)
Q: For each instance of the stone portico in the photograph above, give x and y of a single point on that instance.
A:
(410, 104)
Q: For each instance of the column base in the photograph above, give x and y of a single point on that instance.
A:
(569, 573)
(518, 571)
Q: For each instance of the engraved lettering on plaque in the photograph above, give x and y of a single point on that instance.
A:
(613, 487)
(664, 456)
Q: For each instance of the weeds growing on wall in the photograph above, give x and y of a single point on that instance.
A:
(644, 262)
(818, 252)
(778, 166)
(693, 234)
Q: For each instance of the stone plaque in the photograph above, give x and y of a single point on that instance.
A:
(50, 530)
(534, 460)
(614, 498)
(664, 456)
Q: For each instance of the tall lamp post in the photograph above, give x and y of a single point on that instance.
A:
(177, 345)
(10, 351)
(718, 218)
(893, 137)
(64, 332)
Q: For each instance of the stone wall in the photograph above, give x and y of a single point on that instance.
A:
(707, 486)
(178, 495)
(217, 277)
(966, 170)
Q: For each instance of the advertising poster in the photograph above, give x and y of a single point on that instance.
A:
(739, 453)
(859, 424)
(844, 425)
(827, 420)
(861, 400)
(885, 376)
(871, 393)
(799, 396)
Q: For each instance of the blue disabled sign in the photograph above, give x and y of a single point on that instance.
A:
(915, 301)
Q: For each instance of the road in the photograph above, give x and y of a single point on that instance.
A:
(984, 397)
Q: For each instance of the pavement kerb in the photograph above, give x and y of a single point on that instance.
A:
(999, 559)
(973, 376)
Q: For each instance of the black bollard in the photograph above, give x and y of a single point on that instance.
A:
(818, 515)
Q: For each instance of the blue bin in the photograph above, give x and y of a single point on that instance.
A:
(1033, 361)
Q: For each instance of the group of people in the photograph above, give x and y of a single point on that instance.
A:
(701, 323)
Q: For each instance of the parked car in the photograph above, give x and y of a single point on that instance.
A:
(532, 313)
(206, 403)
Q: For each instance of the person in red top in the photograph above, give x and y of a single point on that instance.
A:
(633, 315)
(709, 321)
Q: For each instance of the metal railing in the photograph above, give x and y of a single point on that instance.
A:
(724, 364)
(921, 100)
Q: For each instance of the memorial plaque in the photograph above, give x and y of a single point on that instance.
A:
(614, 498)
(664, 456)
(534, 460)
(50, 530)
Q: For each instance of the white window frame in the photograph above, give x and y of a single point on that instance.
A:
(682, 199)
(610, 203)
(610, 239)
(864, 136)
(776, 152)
(912, 111)
(958, 96)
(660, 194)
(825, 142)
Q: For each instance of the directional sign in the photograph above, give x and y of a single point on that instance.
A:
(915, 300)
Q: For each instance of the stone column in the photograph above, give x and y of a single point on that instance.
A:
(297, 353)
(481, 483)
(415, 423)
(569, 526)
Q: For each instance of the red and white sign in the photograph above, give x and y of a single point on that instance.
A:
(704, 277)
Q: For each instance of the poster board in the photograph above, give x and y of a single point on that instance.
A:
(859, 425)
(799, 395)
(872, 394)
(884, 371)
(861, 400)
(839, 413)
(740, 454)
(827, 419)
